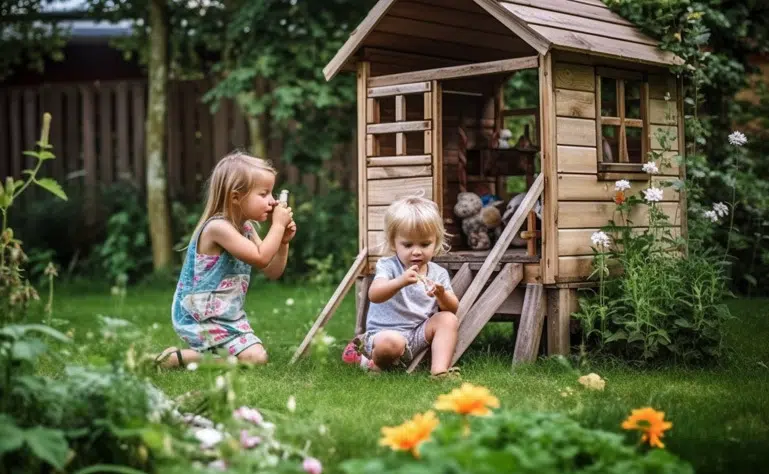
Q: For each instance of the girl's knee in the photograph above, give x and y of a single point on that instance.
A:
(254, 355)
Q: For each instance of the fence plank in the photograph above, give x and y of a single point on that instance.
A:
(174, 140)
(221, 131)
(190, 155)
(121, 123)
(53, 104)
(206, 137)
(137, 109)
(5, 156)
(89, 151)
(73, 104)
(104, 153)
(16, 140)
(30, 125)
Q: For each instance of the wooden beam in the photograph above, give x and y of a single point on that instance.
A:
(362, 303)
(399, 89)
(549, 164)
(454, 72)
(395, 127)
(435, 139)
(516, 25)
(356, 38)
(502, 286)
(561, 302)
(405, 160)
(530, 328)
(496, 253)
(336, 299)
(364, 146)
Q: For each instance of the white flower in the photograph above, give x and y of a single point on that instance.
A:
(248, 414)
(600, 239)
(622, 185)
(232, 360)
(653, 194)
(711, 215)
(220, 383)
(322, 430)
(155, 326)
(290, 302)
(721, 209)
(738, 139)
(268, 426)
(192, 366)
(291, 404)
(650, 168)
(209, 437)
(328, 339)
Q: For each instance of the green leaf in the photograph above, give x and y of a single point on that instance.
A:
(31, 153)
(27, 350)
(617, 336)
(52, 186)
(108, 468)
(11, 436)
(683, 323)
(46, 155)
(16, 331)
(49, 445)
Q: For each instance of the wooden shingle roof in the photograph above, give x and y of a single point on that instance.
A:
(585, 26)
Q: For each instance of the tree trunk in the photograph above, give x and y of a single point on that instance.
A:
(157, 183)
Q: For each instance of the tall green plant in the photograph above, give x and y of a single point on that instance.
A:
(15, 289)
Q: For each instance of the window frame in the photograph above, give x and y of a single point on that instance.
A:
(622, 165)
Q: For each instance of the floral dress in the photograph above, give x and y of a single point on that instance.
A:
(207, 310)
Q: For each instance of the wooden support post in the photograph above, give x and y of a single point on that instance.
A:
(497, 292)
(561, 302)
(362, 303)
(336, 299)
(530, 328)
(460, 283)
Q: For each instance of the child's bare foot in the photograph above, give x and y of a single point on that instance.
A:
(169, 358)
(451, 373)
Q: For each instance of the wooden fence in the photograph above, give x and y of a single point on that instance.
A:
(98, 136)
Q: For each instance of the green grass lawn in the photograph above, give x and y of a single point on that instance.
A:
(720, 416)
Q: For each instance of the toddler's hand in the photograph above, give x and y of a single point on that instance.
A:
(436, 290)
(410, 276)
(282, 215)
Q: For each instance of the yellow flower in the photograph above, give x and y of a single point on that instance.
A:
(409, 435)
(650, 422)
(468, 400)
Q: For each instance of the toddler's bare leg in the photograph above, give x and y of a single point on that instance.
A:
(388, 346)
(169, 358)
(441, 333)
(253, 355)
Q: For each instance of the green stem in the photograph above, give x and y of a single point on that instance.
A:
(32, 175)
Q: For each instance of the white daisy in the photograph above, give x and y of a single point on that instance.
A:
(650, 168)
(738, 139)
(600, 239)
(653, 194)
(721, 209)
(711, 215)
(622, 185)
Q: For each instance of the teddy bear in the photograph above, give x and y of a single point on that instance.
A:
(478, 220)
(504, 136)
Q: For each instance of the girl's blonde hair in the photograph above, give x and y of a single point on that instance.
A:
(236, 172)
(415, 215)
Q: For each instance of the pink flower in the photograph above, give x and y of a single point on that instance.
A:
(248, 414)
(312, 466)
(248, 441)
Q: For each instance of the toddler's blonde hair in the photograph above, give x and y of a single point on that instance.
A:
(415, 215)
(236, 172)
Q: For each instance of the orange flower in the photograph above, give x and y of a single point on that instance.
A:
(619, 197)
(468, 400)
(409, 435)
(650, 422)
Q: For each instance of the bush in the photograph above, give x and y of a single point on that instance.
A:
(521, 442)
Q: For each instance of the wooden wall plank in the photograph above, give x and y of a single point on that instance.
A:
(655, 142)
(574, 242)
(586, 11)
(384, 172)
(662, 84)
(659, 109)
(575, 131)
(587, 187)
(569, 103)
(578, 77)
(385, 191)
(577, 159)
(582, 215)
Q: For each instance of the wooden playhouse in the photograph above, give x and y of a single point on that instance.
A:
(431, 99)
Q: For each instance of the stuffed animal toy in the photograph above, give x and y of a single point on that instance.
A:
(478, 220)
(512, 206)
(504, 136)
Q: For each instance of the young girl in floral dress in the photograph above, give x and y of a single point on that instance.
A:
(207, 310)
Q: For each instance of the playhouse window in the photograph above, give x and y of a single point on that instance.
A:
(622, 123)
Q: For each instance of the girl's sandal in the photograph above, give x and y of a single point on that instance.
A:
(451, 373)
(163, 356)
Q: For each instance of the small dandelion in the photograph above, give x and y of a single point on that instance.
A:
(192, 366)
(155, 326)
(650, 168)
(653, 194)
(220, 383)
(290, 302)
(737, 139)
(291, 404)
(232, 360)
(621, 185)
(600, 239)
(322, 430)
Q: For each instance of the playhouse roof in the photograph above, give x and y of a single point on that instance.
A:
(586, 26)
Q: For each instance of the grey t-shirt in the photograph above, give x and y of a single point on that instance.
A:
(409, 307)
